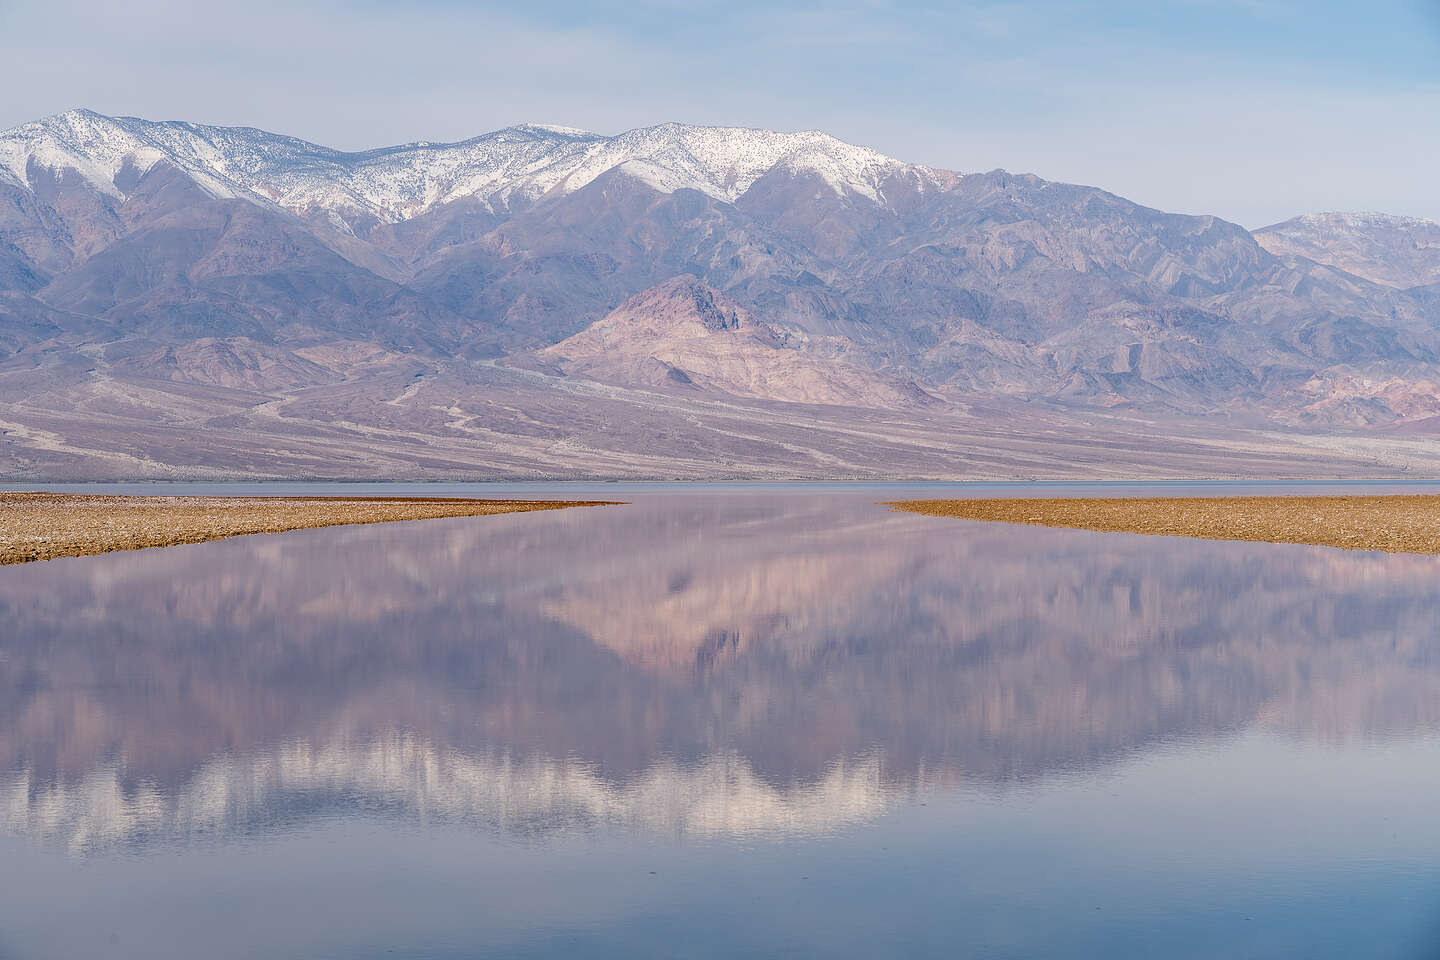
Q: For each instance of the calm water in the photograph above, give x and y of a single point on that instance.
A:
(756, 720)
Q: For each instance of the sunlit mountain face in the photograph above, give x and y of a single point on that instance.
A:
(683, 666)
(676, 301)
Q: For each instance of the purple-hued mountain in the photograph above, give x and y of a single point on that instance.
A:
(184, 300)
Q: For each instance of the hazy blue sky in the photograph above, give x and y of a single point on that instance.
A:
(1252, 109)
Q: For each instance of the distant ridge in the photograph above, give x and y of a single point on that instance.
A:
(1396, 251)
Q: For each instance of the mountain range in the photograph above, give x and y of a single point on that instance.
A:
(677, 301)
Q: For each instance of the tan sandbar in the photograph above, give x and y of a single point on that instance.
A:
(1394, 524)
(42, 526)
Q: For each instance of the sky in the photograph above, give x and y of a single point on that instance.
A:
(1253, 110)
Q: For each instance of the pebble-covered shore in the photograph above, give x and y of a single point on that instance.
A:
(43, 526)
(1393, 524)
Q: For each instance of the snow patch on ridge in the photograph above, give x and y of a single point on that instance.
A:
(1360, 220)
(520, 163)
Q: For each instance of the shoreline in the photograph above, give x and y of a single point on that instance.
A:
(38, 526)
(1388, 523)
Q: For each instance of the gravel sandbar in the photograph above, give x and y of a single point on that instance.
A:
(1393, 524)
(42, 526)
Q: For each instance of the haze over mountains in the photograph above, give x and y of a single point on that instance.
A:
(183, 300)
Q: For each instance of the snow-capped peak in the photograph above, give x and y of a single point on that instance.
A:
(523, 162)
(94, 146)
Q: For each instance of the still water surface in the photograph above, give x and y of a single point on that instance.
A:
(766, 721)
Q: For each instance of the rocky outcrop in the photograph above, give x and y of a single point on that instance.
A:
(683, 333)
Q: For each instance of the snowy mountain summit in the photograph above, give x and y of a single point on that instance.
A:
(518, 164)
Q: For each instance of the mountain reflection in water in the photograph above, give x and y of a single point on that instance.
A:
(716, 666)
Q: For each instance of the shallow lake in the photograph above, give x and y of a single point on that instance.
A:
(728, 720)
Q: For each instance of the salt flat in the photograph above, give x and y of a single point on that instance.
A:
(1393, 524)
(43, 526)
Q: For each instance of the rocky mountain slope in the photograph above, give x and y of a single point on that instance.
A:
(215, 277)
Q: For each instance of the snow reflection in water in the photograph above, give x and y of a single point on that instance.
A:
(746, 672)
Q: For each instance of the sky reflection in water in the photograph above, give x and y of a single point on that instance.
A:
(824, 727)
